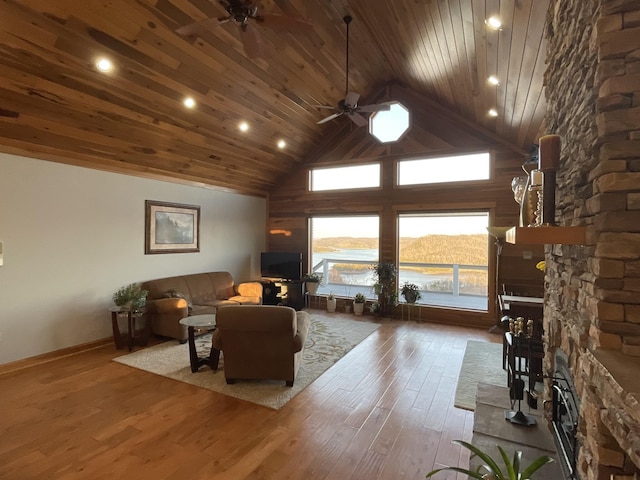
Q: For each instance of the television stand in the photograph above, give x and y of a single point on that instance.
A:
(283, 292)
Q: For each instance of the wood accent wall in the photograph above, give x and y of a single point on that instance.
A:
(434, 132)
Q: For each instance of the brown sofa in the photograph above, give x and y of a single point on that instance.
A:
(173, 298)
(261, 342)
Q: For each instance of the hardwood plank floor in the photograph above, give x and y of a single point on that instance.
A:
(385, 411)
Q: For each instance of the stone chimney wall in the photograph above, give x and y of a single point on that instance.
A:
(592, 295)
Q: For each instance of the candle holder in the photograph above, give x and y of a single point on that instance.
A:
(549, 162)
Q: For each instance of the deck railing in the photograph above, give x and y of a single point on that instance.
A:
(360, 278)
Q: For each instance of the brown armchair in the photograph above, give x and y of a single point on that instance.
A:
(261, 342)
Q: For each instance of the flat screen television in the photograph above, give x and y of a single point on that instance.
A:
(281, 265)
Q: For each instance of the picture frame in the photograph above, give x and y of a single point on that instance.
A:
(171, 228)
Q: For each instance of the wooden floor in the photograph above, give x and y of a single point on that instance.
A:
(385, 411)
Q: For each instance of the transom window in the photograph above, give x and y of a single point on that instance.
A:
(459, 168)
(345, 178)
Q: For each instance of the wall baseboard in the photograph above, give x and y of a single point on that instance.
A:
(52, 356)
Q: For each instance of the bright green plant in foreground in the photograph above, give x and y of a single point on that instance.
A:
(491, 469)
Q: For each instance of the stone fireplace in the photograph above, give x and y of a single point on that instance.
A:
(592, 292)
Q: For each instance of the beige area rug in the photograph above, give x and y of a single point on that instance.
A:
(329, 339)
(482, 363)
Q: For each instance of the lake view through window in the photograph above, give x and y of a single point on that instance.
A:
(445, 254)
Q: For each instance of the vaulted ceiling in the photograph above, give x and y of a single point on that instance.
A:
(56, 105)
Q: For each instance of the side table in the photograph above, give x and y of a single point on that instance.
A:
(133, 337)
(201, 322)
(409, 306)
(312, 300)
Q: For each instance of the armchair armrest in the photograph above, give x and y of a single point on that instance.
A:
(303, 322)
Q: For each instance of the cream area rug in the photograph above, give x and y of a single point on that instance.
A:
(482, 362)
(329, 339)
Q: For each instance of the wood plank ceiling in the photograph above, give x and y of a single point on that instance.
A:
(56, 105)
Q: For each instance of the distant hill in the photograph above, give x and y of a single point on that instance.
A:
(460, 249)
(344, 243)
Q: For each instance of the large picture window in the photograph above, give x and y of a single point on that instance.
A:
(446, 255)
(343, 249)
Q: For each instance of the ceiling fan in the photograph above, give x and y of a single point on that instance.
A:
(244, 13)
(349, 104)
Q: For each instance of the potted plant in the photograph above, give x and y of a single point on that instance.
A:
(358, 303)
(491, 469)
(331, 302)
(312, 281)
(131, 297)
(410, 292)
(385, 276)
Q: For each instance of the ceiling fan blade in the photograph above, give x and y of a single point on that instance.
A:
(199, 27)
(378, 107)
(253, 44)
(358, 119)
(351, 99)
(329, 118)
(283, 21)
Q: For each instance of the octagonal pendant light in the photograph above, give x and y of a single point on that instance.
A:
(391, 125)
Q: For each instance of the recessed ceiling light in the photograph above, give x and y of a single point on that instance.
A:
(189, 102)
(281, 144)
(493, 112)
(493, 80)
(494, 23)
(243, 126)
(104, 64)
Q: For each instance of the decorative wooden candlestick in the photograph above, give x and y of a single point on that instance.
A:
(548, 162)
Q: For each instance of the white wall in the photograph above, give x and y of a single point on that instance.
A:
(72, 236)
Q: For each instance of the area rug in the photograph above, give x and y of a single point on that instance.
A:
(329, 339)
(482, 362)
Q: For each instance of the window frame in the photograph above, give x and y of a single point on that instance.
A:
(349, 189)
(310, 237)
(448, 184)
(453, 209)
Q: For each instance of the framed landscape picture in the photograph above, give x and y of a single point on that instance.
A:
(171, 228)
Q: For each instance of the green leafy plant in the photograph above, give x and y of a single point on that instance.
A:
(331, 296)
(131, 296)
(385, 276)
(359, 298)
(410, 292)
(490, 467)
(385, 272)
(313, 277)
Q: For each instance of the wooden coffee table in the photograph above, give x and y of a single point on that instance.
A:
(201, 322)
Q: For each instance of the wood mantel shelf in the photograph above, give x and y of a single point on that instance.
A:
(547, 235)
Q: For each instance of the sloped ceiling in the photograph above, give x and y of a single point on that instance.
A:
(55, 105)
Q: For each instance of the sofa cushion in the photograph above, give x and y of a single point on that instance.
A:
(242, 300)
(202, 289)
(203, 310)
(223, 284)
(157, 288)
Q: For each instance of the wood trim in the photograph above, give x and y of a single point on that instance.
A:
(52, 356)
